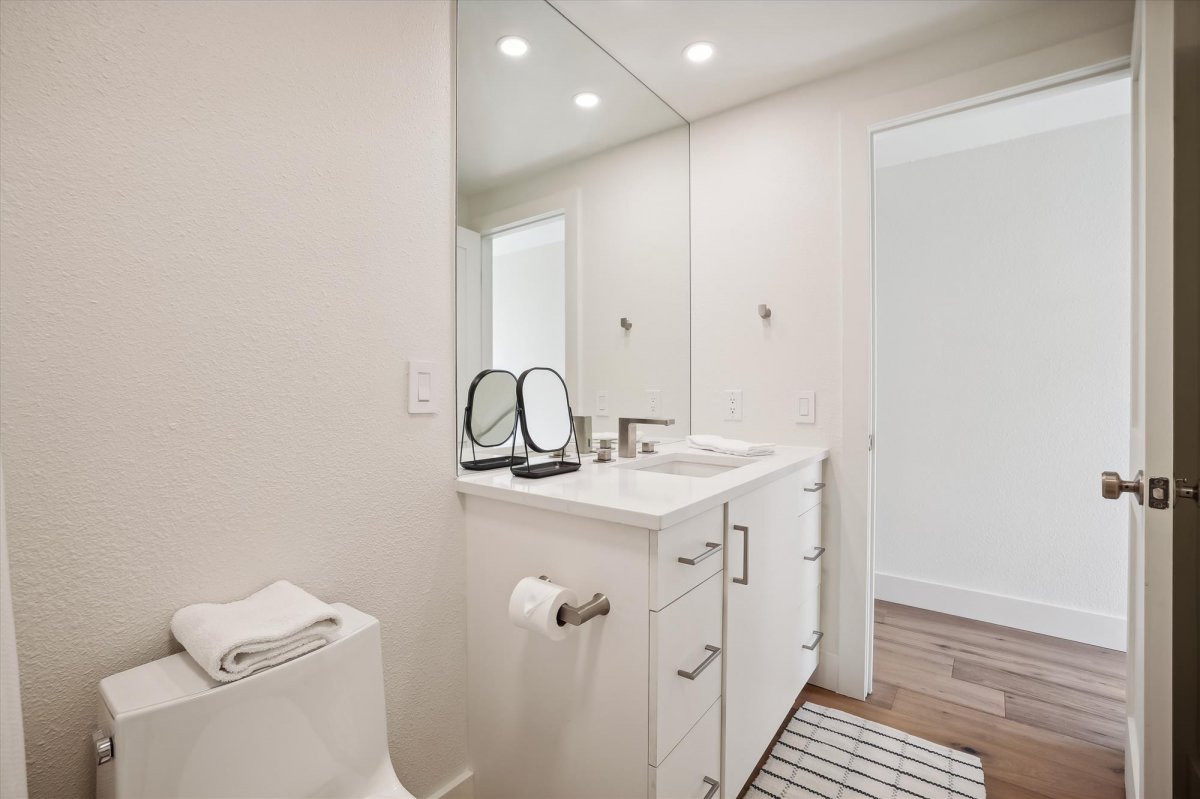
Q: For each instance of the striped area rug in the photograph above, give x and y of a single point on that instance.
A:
(830, 754)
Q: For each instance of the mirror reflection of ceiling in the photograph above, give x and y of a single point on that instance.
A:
(765, 46)
(517, 116)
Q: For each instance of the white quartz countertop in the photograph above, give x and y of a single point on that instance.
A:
(615, 493)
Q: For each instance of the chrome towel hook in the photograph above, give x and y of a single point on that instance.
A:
(625, 323)
(764, 311)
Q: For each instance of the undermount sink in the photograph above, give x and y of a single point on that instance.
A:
(685, 464)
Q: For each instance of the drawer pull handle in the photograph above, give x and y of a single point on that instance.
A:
(818, 635)
(691, 675)
(745, 578)
(816, 555)
(814, 488)
(714, 786)
(713, 548)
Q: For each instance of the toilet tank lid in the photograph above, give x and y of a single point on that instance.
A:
(179, 676)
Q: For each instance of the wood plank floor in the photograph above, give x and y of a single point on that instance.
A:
(1046, 716)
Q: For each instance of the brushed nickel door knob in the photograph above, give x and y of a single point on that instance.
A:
(1112, 486)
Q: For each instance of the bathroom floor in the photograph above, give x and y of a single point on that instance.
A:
(1046, 716)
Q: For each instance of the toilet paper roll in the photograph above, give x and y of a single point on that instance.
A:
(534, 605)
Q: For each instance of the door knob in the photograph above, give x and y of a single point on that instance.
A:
(1112, 486)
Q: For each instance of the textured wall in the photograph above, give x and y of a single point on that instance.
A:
(225, 228)
(1001, 274)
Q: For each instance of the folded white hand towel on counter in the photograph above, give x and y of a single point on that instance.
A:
(729, 446)
(236, 639)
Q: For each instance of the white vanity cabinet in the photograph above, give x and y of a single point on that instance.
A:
(672, 690)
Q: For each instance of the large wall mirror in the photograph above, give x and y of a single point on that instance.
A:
(573, 218)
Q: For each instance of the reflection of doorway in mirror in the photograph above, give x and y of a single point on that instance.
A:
(525, 269)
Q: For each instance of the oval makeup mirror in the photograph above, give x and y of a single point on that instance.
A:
(544, 413)
(490, 418)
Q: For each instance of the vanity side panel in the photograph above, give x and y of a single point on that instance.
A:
(554, 719)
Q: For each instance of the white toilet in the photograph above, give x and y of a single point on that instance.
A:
(312, 727)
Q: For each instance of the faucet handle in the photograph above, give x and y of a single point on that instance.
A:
(649, 447)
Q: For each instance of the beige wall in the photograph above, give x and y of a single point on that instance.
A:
(225, 228)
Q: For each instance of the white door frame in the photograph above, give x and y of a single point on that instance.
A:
(1069, 62)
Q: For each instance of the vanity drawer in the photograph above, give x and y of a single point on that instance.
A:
(669, 577)
(685, 637)
(812, 554)
(684, 773)
(811, 488)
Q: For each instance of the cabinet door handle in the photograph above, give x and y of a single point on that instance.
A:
(817, 636)
(713, 651)
(713, 548)
(816, 555)
(714, 786)
(814, 488)
(745, 578)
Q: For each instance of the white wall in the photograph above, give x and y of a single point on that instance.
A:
(1002, 390)
(225, 228)
(768, 180)
(627, 240)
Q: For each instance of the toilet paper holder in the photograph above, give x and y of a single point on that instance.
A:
(569, 614)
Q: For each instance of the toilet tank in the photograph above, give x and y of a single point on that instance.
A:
(312, 727)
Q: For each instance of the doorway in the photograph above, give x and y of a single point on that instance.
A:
(1001, 311)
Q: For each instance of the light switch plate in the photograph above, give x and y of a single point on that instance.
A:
(422, 387)
(654, 407)
(733, 405)
(806, 407)
(602, 403)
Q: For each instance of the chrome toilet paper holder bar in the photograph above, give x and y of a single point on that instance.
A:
(569, 614)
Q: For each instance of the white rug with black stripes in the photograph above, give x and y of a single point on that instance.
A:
(830, 754)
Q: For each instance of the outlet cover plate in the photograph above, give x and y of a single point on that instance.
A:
(654, 403)
(733, 405)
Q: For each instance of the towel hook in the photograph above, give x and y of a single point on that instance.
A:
(764, 311)
(625, 323)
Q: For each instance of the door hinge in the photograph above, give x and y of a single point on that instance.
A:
(870, 442)
(1160, 493)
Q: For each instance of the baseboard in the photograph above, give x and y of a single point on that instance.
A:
(461, 787)
(1024, 614)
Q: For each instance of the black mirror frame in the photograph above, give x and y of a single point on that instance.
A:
(477, 464)
(554, 466)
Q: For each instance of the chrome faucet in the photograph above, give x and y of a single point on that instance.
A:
(627, 429)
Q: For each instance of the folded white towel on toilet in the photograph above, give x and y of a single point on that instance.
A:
(237, 639)
(729, 446)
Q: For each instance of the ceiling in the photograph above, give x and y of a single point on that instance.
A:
(764, 46)
(516, 116)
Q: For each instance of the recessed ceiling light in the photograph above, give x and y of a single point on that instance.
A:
(699, 52)
(587, 100)
(513, 46)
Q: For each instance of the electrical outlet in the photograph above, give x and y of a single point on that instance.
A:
(602, 403)
(806, 407)
(654, 402)
(733, 405)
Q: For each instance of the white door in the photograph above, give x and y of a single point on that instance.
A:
(1148, 745)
